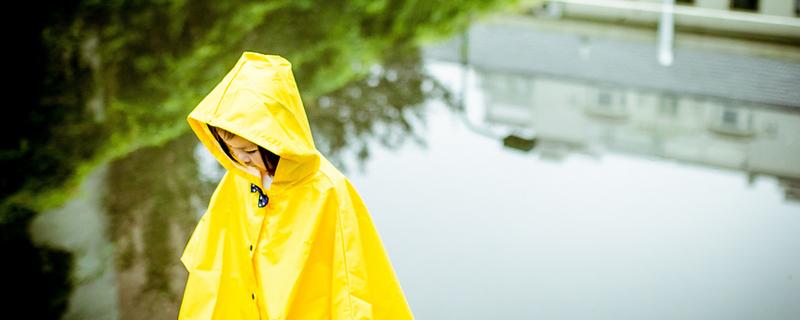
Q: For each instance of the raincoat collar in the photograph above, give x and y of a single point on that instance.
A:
(258, 100)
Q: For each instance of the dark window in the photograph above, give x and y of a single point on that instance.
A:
(730, 118)
(668, 106)
(604, 100)
(685, 1)
(749, 5)
(797, 8)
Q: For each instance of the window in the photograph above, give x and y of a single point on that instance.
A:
(748, 5)
(668, 106)
(686, 2)
(610, 103)
(730, 118)
(604, 99)
(797, 8)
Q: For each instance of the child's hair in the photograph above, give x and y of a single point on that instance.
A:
(270, 159)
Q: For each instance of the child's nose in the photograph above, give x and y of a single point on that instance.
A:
(246, 159)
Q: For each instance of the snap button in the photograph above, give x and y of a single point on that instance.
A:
(263, 200)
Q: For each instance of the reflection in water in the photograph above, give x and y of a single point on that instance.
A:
(34, 271)
(733, 111)
(615, 228)
(152, 198)
(570, 116)
(484, 232)
(111, 77)
(78, 227)
(384, 106)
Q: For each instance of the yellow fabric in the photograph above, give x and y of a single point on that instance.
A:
(315, 251)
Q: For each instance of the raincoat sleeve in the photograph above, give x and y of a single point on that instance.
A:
(366, 283)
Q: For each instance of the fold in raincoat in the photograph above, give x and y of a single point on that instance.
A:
(312, 252)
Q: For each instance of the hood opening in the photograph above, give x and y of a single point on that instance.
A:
(269, 158)
(259, 101)
(221, 143)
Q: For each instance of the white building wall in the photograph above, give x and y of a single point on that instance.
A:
(777, 7)
(713, 4)
(693, 131)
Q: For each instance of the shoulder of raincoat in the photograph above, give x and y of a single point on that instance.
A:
(312, 252)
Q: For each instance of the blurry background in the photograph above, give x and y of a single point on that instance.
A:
(564, 159)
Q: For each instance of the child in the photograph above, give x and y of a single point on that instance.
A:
(286, 235)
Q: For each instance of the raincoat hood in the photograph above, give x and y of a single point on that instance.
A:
(306, 248)
(259, 101)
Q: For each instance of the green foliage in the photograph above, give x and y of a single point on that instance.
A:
(120, 75)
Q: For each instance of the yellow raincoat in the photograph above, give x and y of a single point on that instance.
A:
(312, 252)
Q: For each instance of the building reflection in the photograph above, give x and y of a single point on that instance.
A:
(569, 115)
(570, 87)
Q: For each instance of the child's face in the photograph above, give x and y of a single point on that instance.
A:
(246, 152)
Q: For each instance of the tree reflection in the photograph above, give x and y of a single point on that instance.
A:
(32, 274)
(110, 77)
(152, 199)
(383, 106)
